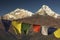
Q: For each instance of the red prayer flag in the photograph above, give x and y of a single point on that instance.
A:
(36, 28)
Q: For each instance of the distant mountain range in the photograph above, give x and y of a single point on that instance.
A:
(22, 13)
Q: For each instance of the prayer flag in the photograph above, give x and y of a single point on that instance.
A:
(51, 30)
(6, 24)
(57, 33)
(25, 27)
(44, 30)
(17, 27)
(36, 28)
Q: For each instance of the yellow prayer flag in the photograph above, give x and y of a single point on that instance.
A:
(17, 27)
(57, 33)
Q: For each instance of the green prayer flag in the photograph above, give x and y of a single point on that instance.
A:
(25, 27)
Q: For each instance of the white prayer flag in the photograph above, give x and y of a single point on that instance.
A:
(44, 30)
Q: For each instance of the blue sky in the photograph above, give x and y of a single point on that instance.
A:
(7, 6)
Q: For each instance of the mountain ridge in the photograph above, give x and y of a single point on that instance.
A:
(17, 14)
(47, 10)
(22, 13)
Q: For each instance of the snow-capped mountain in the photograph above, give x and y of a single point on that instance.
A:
(45, 10)
(18, 13)
(22, 13)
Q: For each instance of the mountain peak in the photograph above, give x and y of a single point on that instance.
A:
(47, 10)
(17, 9)
(18, 13)
(44, 6)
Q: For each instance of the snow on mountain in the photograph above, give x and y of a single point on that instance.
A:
(22, 13)
(18, 13)
(45, 10)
